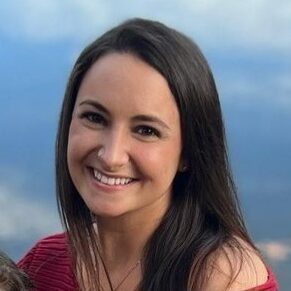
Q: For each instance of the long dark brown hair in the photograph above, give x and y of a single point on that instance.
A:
(204, 214)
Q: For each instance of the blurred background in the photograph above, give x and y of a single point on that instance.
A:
(248, 46)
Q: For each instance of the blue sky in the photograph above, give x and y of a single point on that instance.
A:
(248, 45)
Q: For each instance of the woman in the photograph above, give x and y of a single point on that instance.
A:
(143, 182)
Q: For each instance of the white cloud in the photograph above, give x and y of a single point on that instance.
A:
(245, 89)
(260, 24)
(276, 251)
(21, 218)
(52, 19)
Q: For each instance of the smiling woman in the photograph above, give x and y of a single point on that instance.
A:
(143, 182)
(124, 128)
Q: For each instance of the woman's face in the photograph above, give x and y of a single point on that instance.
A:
(124, 145)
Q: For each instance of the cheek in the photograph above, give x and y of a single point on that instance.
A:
(160, 162)
(78, 144)
(80, 141)
(73, 147)
(72, 154)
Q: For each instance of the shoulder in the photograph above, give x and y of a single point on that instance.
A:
(54, 244)
(236, 266)
(48, 260)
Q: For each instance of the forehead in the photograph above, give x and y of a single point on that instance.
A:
(127, 80)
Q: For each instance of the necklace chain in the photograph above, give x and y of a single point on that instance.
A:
(127, 275)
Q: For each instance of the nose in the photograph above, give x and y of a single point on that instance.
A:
(113, 150)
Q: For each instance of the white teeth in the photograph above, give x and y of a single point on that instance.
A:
(110, 180)
(104, 180)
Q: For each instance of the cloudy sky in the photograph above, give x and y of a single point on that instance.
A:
(248, 45)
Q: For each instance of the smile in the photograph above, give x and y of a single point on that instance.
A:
(107, 180)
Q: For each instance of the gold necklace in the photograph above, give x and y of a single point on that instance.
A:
(127, 275)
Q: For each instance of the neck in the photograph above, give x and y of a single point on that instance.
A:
(123, 238)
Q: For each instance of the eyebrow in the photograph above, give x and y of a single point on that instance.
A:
(150, 118)
(96, 105)
(140, 117)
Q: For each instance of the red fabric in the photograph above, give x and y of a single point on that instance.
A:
(49, 266)
(270, 285)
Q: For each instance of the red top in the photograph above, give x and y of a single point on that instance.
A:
(48, 265)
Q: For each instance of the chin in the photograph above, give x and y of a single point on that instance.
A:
(108, 212)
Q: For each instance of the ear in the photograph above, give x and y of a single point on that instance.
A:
(182, 166)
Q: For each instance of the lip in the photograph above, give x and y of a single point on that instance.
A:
(111, 175)
(106, 187)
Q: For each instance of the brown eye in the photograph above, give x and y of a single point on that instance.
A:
(147, 131)
(94, 117)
